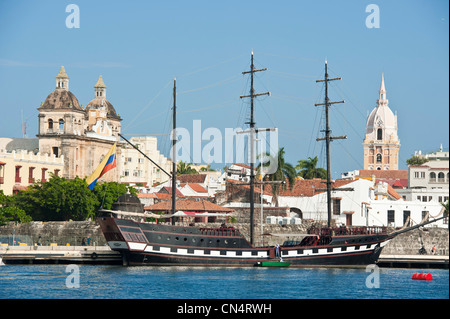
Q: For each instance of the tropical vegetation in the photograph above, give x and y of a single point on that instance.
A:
(60, 199)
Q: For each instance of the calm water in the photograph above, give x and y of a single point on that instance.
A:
(49, 282)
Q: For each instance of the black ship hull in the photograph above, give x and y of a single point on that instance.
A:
(163, 245)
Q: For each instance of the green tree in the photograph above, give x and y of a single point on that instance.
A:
(285, 171)
(185, 168)
(13, 214)
(107, 193)
(307, 169)
(416, 160)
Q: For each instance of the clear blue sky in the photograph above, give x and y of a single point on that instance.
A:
(139, 46)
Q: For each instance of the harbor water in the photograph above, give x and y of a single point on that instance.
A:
(107, 282)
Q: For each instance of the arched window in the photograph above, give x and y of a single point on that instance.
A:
(379, 134)
(378, 158)
(441, 177)
(432, 177)
(50, 125)
(61, 125)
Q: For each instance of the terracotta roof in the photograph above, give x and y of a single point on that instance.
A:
(393, 193)
(266, 190)
(163, 195)
(385, 174)
(195, 187)
(146, 195)
(192, 178)
(168, 190)
(309, 187)
(188, 205)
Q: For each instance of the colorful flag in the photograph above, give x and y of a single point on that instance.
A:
(108, 163)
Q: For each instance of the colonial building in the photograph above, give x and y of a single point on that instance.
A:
(381, 143)
(82, 135)
(21, 164)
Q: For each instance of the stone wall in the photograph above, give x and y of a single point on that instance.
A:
(61, 233)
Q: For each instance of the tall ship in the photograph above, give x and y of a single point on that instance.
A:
(151, 243)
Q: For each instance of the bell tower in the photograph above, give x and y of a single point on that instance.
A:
(381, 143)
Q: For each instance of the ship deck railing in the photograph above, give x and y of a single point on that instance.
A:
(352, 230)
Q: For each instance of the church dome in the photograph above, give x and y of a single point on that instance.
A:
(98, 103)
(100, 100)
(61, 99)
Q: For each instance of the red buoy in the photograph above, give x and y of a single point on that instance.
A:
(422, 276)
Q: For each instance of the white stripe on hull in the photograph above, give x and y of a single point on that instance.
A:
(286, 253)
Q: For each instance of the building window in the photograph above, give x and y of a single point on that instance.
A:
(379, 134)
(57, 172)
(432, 177)
(43, 179)
(336, 206)
(50, 125)
(30, 175)
(18, 179)
(61, 125)
(406, 215)
(2, 173)
(390, 216)
(55, 151)
(378, 158)
(441, 178)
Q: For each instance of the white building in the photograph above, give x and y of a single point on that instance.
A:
(361, 204)
(137, 169)
(428, 182)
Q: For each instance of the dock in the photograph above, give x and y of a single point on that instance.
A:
(59, 255)
(413, 261)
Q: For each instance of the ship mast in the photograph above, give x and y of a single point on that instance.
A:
(252, 143)
(328, 138)
(174, 151)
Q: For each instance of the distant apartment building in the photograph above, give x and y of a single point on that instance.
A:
(137, 169)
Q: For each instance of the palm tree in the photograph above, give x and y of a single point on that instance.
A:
(284, 171)
(307, 169)
(185, 168)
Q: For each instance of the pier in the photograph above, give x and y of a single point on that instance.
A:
(413, 261)
(59, 255)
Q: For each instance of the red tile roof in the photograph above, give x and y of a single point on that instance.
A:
(192, 178)
(189, 205)
(309, 187)
(195, 187)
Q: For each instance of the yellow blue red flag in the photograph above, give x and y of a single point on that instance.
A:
(108, 163)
